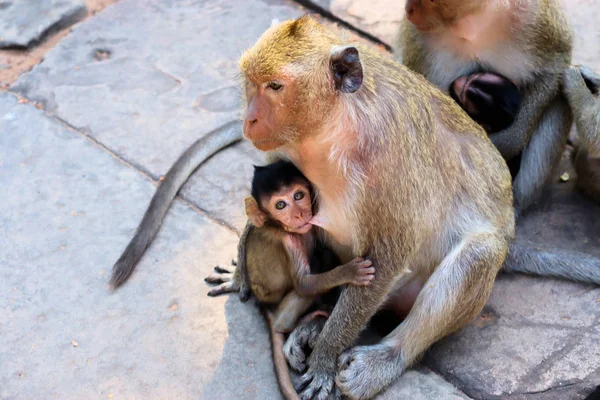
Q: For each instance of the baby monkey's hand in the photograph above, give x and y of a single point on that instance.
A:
(359, 272)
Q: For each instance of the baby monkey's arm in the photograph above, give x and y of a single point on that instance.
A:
(359, 271)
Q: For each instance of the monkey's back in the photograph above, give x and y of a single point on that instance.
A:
(268, 268)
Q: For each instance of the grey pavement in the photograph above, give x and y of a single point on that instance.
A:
(25, 22)
(122, 96)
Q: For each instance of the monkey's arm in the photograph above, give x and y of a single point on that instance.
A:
(357, 272)
(536, 96)
(577, 86)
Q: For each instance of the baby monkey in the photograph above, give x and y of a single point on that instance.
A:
(492, 101)
(286, 262)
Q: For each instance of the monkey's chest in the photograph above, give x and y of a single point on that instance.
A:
(445, 66)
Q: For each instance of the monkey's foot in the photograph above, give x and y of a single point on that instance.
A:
(318, 385)
(224, 270)
(365, 371)
(304, 335)
(227, 287)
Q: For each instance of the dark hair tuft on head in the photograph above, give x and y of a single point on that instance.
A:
(271, 178)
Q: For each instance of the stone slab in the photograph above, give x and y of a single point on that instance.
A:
(421, 384)
(25, 22)
(536, 338)
(148, 78)
(67, 210)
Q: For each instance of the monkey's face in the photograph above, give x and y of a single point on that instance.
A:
(270, 115)
(292, 207)
(293, 75)
(426, 15)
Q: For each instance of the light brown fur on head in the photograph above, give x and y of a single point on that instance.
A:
(303, 46)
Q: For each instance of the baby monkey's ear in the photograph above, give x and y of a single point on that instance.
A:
(254, 213)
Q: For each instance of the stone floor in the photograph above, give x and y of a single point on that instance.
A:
(84, 138)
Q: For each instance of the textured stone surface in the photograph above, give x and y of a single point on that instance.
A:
(71, 209)
(535, 337)
(145, 79)
(24, 22)
(148, 78)
(421, 384)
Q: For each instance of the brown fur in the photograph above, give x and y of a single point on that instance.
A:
(528, 42)
(403, 175)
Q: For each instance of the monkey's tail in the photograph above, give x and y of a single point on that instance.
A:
(191, 159)
(544, 261)
(282, 370)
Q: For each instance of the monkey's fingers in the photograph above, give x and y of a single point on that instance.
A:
(223, 270)
(227, 287)
(214, 278)
(366, 269)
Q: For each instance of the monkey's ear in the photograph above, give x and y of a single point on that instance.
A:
(346, 68)
(254, 213)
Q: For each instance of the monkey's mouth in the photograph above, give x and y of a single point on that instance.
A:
(303, 228)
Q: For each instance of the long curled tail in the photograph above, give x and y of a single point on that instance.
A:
(534, 259)
(187, 163)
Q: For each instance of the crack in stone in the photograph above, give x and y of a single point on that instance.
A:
(559, 386)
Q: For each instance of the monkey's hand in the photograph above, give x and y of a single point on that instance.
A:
(366, 370)
(359, 272)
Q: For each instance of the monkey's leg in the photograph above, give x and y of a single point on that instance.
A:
(292, 307)
(355, 307)
(542, 154)
(453, 295)
(585, 107)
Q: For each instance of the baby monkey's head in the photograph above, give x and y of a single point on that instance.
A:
(281, 196)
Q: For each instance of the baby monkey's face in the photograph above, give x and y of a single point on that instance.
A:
(292, 206)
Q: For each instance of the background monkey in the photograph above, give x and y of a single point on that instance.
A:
(403, 176)
(581, 87)
(528, 42)
(286, 262)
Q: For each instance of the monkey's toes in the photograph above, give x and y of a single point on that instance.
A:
(366, 370)
(319, 386)
(214, 278)
(222, 270)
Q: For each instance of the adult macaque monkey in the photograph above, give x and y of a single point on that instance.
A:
(403, 175)
(528, 42)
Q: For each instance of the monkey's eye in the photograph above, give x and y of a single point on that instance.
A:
(298, 195)
(274, 86)
(280, 205)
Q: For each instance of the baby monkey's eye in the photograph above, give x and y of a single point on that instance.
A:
(274, 86)
(280, 205)
(298, 195)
